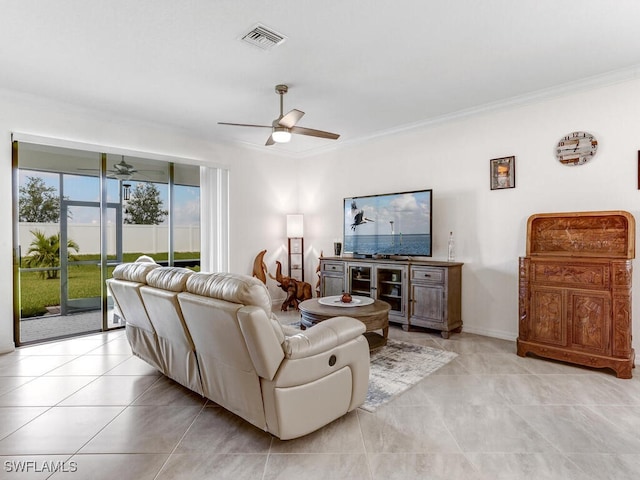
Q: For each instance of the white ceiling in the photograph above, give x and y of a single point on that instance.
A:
(360, 68)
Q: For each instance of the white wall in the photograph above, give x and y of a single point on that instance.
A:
(262, 193)
(490, 226)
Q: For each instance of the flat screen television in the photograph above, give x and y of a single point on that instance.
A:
(389, 224)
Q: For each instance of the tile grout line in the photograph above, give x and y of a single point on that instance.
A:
(364, 444)
(180, 441)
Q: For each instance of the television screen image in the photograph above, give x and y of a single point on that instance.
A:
(389, 224)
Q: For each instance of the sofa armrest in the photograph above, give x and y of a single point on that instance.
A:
(323, 336)
(325, 367)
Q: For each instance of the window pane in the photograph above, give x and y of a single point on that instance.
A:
(186, 226)
(81, 188)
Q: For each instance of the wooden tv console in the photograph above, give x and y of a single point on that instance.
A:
(575, 289)
(424, 294)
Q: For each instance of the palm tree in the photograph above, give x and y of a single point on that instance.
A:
(45, 252)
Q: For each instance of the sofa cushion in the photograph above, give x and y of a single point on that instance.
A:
(134, 272)
(231, 287)
(173, 279)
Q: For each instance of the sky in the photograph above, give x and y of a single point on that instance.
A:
(86, 188)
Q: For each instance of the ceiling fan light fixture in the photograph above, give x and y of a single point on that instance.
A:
(281, 135)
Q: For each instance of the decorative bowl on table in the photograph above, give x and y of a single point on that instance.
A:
(336, 301)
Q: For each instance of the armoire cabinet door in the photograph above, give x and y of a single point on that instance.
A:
(589, 315)
(548, 316)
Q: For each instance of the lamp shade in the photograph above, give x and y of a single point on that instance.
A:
(295, 227)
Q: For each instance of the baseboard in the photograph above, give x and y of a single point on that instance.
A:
(491, 333)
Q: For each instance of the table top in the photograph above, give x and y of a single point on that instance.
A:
(314, 307)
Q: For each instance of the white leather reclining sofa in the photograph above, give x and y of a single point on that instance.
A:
(215, 334)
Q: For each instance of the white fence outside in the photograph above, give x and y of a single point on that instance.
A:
(148, 239)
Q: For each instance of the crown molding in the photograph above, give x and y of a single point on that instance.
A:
(590, 83)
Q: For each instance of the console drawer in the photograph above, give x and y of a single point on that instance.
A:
(337, 267)
(427, 275)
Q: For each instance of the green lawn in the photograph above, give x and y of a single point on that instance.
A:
(84, 282)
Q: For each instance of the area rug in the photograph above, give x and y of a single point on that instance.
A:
(398, 366)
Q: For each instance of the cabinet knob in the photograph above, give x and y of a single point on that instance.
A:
(427, 275)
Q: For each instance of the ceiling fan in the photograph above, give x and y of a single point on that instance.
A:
(121, 170)
(283, 126)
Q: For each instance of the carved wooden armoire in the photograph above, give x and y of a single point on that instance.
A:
(575, 289)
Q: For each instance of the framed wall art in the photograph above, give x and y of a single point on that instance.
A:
(502, 172)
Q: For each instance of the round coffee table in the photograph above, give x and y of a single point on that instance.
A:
(375, 316)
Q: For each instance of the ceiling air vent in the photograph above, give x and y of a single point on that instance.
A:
(263, 37)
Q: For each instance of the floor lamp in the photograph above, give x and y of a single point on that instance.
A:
(295, 232)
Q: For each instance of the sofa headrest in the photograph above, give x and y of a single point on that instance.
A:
(173, 279)
(232, 287)
(145, 258)
(134, 272)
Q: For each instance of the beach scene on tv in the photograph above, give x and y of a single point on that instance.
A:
(389, 224)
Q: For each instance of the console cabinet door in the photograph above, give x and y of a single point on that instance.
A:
(331, 285)
(391, 285)
(360, 279)
(435, 297)
(332, 280)
(427, 306)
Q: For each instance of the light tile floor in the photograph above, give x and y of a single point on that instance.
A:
(87, 405)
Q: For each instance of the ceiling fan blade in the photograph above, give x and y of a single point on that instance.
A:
(270, 141)
(245, 125)
(291, 118)
(314, 133)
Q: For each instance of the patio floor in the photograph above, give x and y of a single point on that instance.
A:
(56, 326)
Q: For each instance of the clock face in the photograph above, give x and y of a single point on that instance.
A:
(577, 148)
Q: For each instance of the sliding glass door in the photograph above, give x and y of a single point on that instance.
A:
(81, 213)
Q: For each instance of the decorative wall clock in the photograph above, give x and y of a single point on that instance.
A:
(577, 148)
